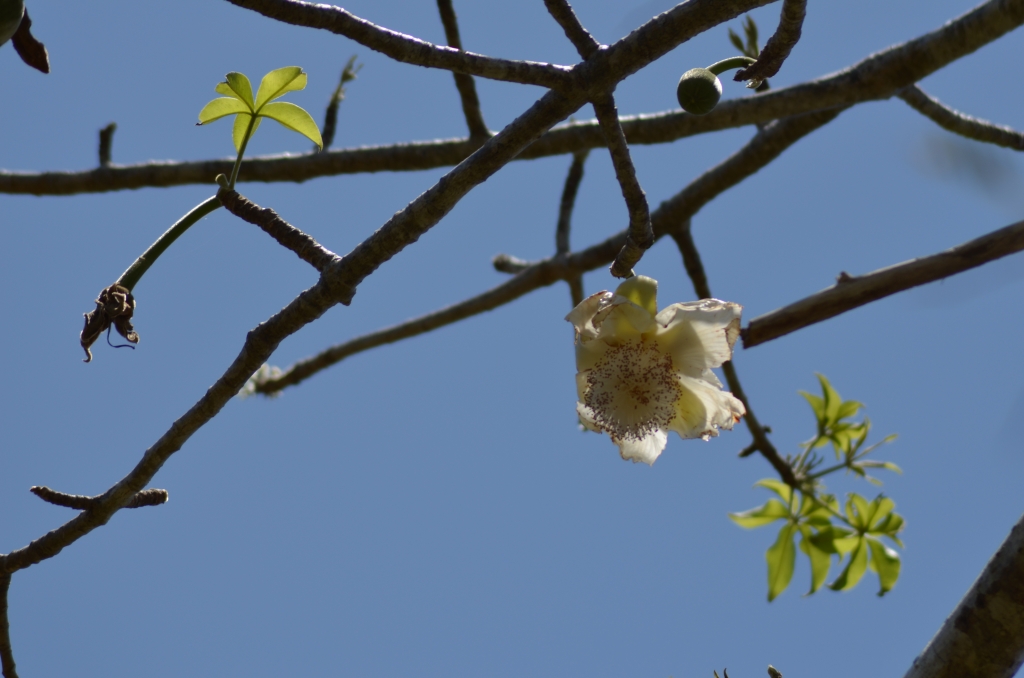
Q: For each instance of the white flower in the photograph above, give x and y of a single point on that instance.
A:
(642, 373)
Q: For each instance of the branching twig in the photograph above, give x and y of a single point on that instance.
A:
(464, 83)
(106, 141)
(695, 270)
(581, 39)
(760, 151)
(640, 236)
(849, 292)
(405, 48)
(960, 123)
(877, 77)
(151, 497)
(304, 246)
(6, 653)
(779, 45)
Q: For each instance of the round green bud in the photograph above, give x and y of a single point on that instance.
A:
(699, 91)
(11, 12)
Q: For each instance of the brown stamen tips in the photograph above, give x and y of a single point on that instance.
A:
(114, 307)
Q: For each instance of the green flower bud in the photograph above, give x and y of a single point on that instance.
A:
(699, 91)
(11, 12)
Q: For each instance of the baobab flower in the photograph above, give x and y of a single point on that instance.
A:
(641, 373)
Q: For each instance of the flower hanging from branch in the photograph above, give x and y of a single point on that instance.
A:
(641, 373)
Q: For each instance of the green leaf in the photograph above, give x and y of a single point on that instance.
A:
(735, 40)
(241, 125)
(238, 86)
(781, 559)
(778, 487)
(883, 506)
(820, 559)
(817, 404)
(858, 511)
(849, 409)
(277, 83)
(294, 118)
(888, 465)
(846, 544)
(218, 108)
(854, 570)
(832, 399)
(886, 562)
(772, 510)
(825, 539)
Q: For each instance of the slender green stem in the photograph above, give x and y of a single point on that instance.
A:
(241, 152)
(724, 65)
(130, 277)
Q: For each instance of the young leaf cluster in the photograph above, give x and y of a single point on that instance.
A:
(750, 48)
(814, 520)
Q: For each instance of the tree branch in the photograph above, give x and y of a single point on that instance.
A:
(464, 83)
(778, 47)
(849, 292)
(6, 653)
(639, 236)
(151, 497)
(304, 246)
(984, 637)
(695, 270)
(761, 150)
(406, 48)
(960, 123)
(877, 77)
(581, 39)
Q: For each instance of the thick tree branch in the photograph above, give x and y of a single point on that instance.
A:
(406, 48)
(761, 150)
(6, 653)
(304, 246)
(779, 45)
(849, 292)
(960, 123)
(877, 77)
(695, 270)
(463, 83)
(984, 637)
(639, 236)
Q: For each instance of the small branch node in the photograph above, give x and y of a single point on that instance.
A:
(106, 141)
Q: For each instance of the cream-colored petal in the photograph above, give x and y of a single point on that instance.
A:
(699, 335)
(582, 316)
(622, 320)
(704, 409)
(587, 418)
(646, 449)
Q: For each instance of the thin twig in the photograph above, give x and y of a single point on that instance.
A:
(106, 141)
(464, 83)
(639, 236)
(961, 123)
(878, 77)
(695, 270)
(761, 150)
(304, 246)
(406, 48)
(849, 292)
(6, 653)
(778, 47)
(80, 502)
(581, 39)
(565, 207)
(348, 74)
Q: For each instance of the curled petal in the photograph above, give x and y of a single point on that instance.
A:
(646, 449)
(699, 335)
(704, 410)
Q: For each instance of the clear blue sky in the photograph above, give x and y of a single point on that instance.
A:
(430, 508)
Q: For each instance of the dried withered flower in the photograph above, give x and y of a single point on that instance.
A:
(114, 307)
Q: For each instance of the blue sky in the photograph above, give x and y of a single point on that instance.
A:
(430, 507)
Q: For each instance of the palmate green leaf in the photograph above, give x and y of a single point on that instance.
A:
(781, 559)
(237, 85)
(855, 567)
(771, 511)
(294, 118)
(279, 82)
(241, 125)
(820, 560)
(886, 562)
(218, 108)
